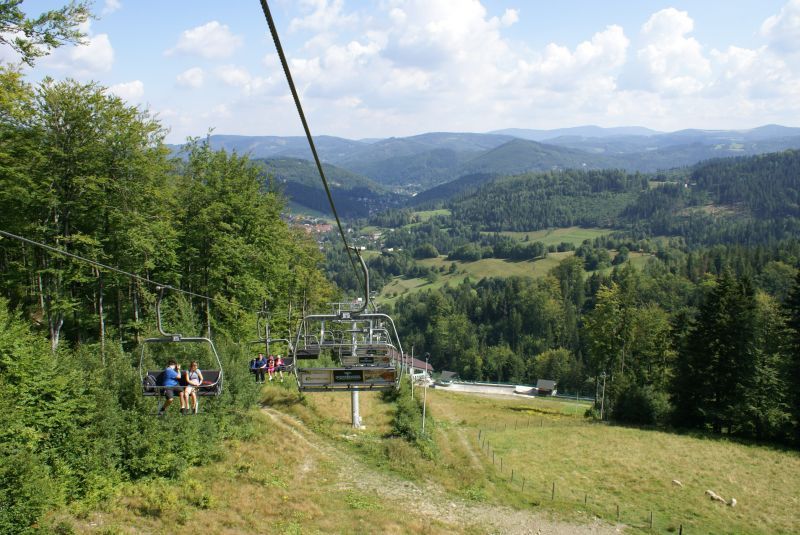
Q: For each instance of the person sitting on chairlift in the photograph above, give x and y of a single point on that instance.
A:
(271, 366)
(193, 378)
(171, 384)
(279, 366)
(259, 367)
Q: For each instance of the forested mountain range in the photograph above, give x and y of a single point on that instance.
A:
(717, 197)
(354, 195)
(416, 163)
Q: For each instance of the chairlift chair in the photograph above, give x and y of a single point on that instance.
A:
(150, 379)
(264, 337)
(367, 351)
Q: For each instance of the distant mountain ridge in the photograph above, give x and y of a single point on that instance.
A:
(418, 163)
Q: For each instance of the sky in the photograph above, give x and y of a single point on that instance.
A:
(382, 68)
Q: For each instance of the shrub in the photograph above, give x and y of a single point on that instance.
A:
(641, 406)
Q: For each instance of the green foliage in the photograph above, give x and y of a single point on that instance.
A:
(35, 37)
(642, 405)
(407, 421)
(81, 170)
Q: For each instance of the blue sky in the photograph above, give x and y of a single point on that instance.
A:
(402, 67)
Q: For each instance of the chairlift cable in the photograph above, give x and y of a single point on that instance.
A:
(273, 30)
(113, 269)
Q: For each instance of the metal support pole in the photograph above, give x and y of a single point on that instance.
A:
(356, 416)
(425, 395)
(411, 371)
(603, 399)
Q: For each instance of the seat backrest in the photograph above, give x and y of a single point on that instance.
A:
(210, 375)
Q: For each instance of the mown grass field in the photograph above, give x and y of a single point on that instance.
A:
(487, 267)
(425, 215)
(606, 466)
(303, 469)
(573, 235)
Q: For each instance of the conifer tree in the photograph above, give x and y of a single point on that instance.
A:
(717, 363)
(792, 310)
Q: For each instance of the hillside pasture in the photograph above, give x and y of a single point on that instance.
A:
(485, 268)
(425, 215)
(554, 236)
(609, 466)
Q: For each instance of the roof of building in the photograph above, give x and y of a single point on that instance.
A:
(545, 384)
(418, 364)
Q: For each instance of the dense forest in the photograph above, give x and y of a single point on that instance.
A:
(706, 340)
(83, 172)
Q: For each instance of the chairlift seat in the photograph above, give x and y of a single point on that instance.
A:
(307, 353)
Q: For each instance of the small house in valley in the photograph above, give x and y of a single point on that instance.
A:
(546, 387)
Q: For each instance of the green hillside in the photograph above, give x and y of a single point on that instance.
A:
(354, 195)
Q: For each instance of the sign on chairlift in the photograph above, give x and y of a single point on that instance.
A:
(366, 360)
(332, 379)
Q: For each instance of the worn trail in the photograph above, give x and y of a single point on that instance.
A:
(429, 500)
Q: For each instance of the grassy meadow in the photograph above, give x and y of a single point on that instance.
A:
(303, 469)
(486, 267)
(597, 467)
(554, 236)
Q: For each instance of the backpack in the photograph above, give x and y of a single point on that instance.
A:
(149, 383)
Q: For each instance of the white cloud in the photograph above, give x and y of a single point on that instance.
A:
(409, 66)
(673, 62)
(241, 78)
(783, 30)
(110, 7)
(93, 57)
(210, 41)
(322, 15)
(193, 78)
(128, 91)
(606, 52)
(510, 17)
(233, 76)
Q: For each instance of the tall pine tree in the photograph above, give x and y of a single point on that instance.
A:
(717, 363)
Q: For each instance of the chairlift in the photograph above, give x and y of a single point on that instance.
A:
(151, 380)
(366, 350)
(265, 337)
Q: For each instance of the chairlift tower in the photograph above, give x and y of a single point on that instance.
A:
(365, 344)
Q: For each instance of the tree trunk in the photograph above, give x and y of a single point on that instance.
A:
(208, 318)
(135, 293)
(55, 331)
(41, 294)
(119, 315)
(101, 316)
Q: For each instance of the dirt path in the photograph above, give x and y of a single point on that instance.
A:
(474, 460)
(430, 501)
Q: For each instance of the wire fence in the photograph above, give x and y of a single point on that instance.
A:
(592, 500)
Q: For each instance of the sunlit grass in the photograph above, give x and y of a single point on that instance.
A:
(610, 466)
(554, 236)
(289, 476)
